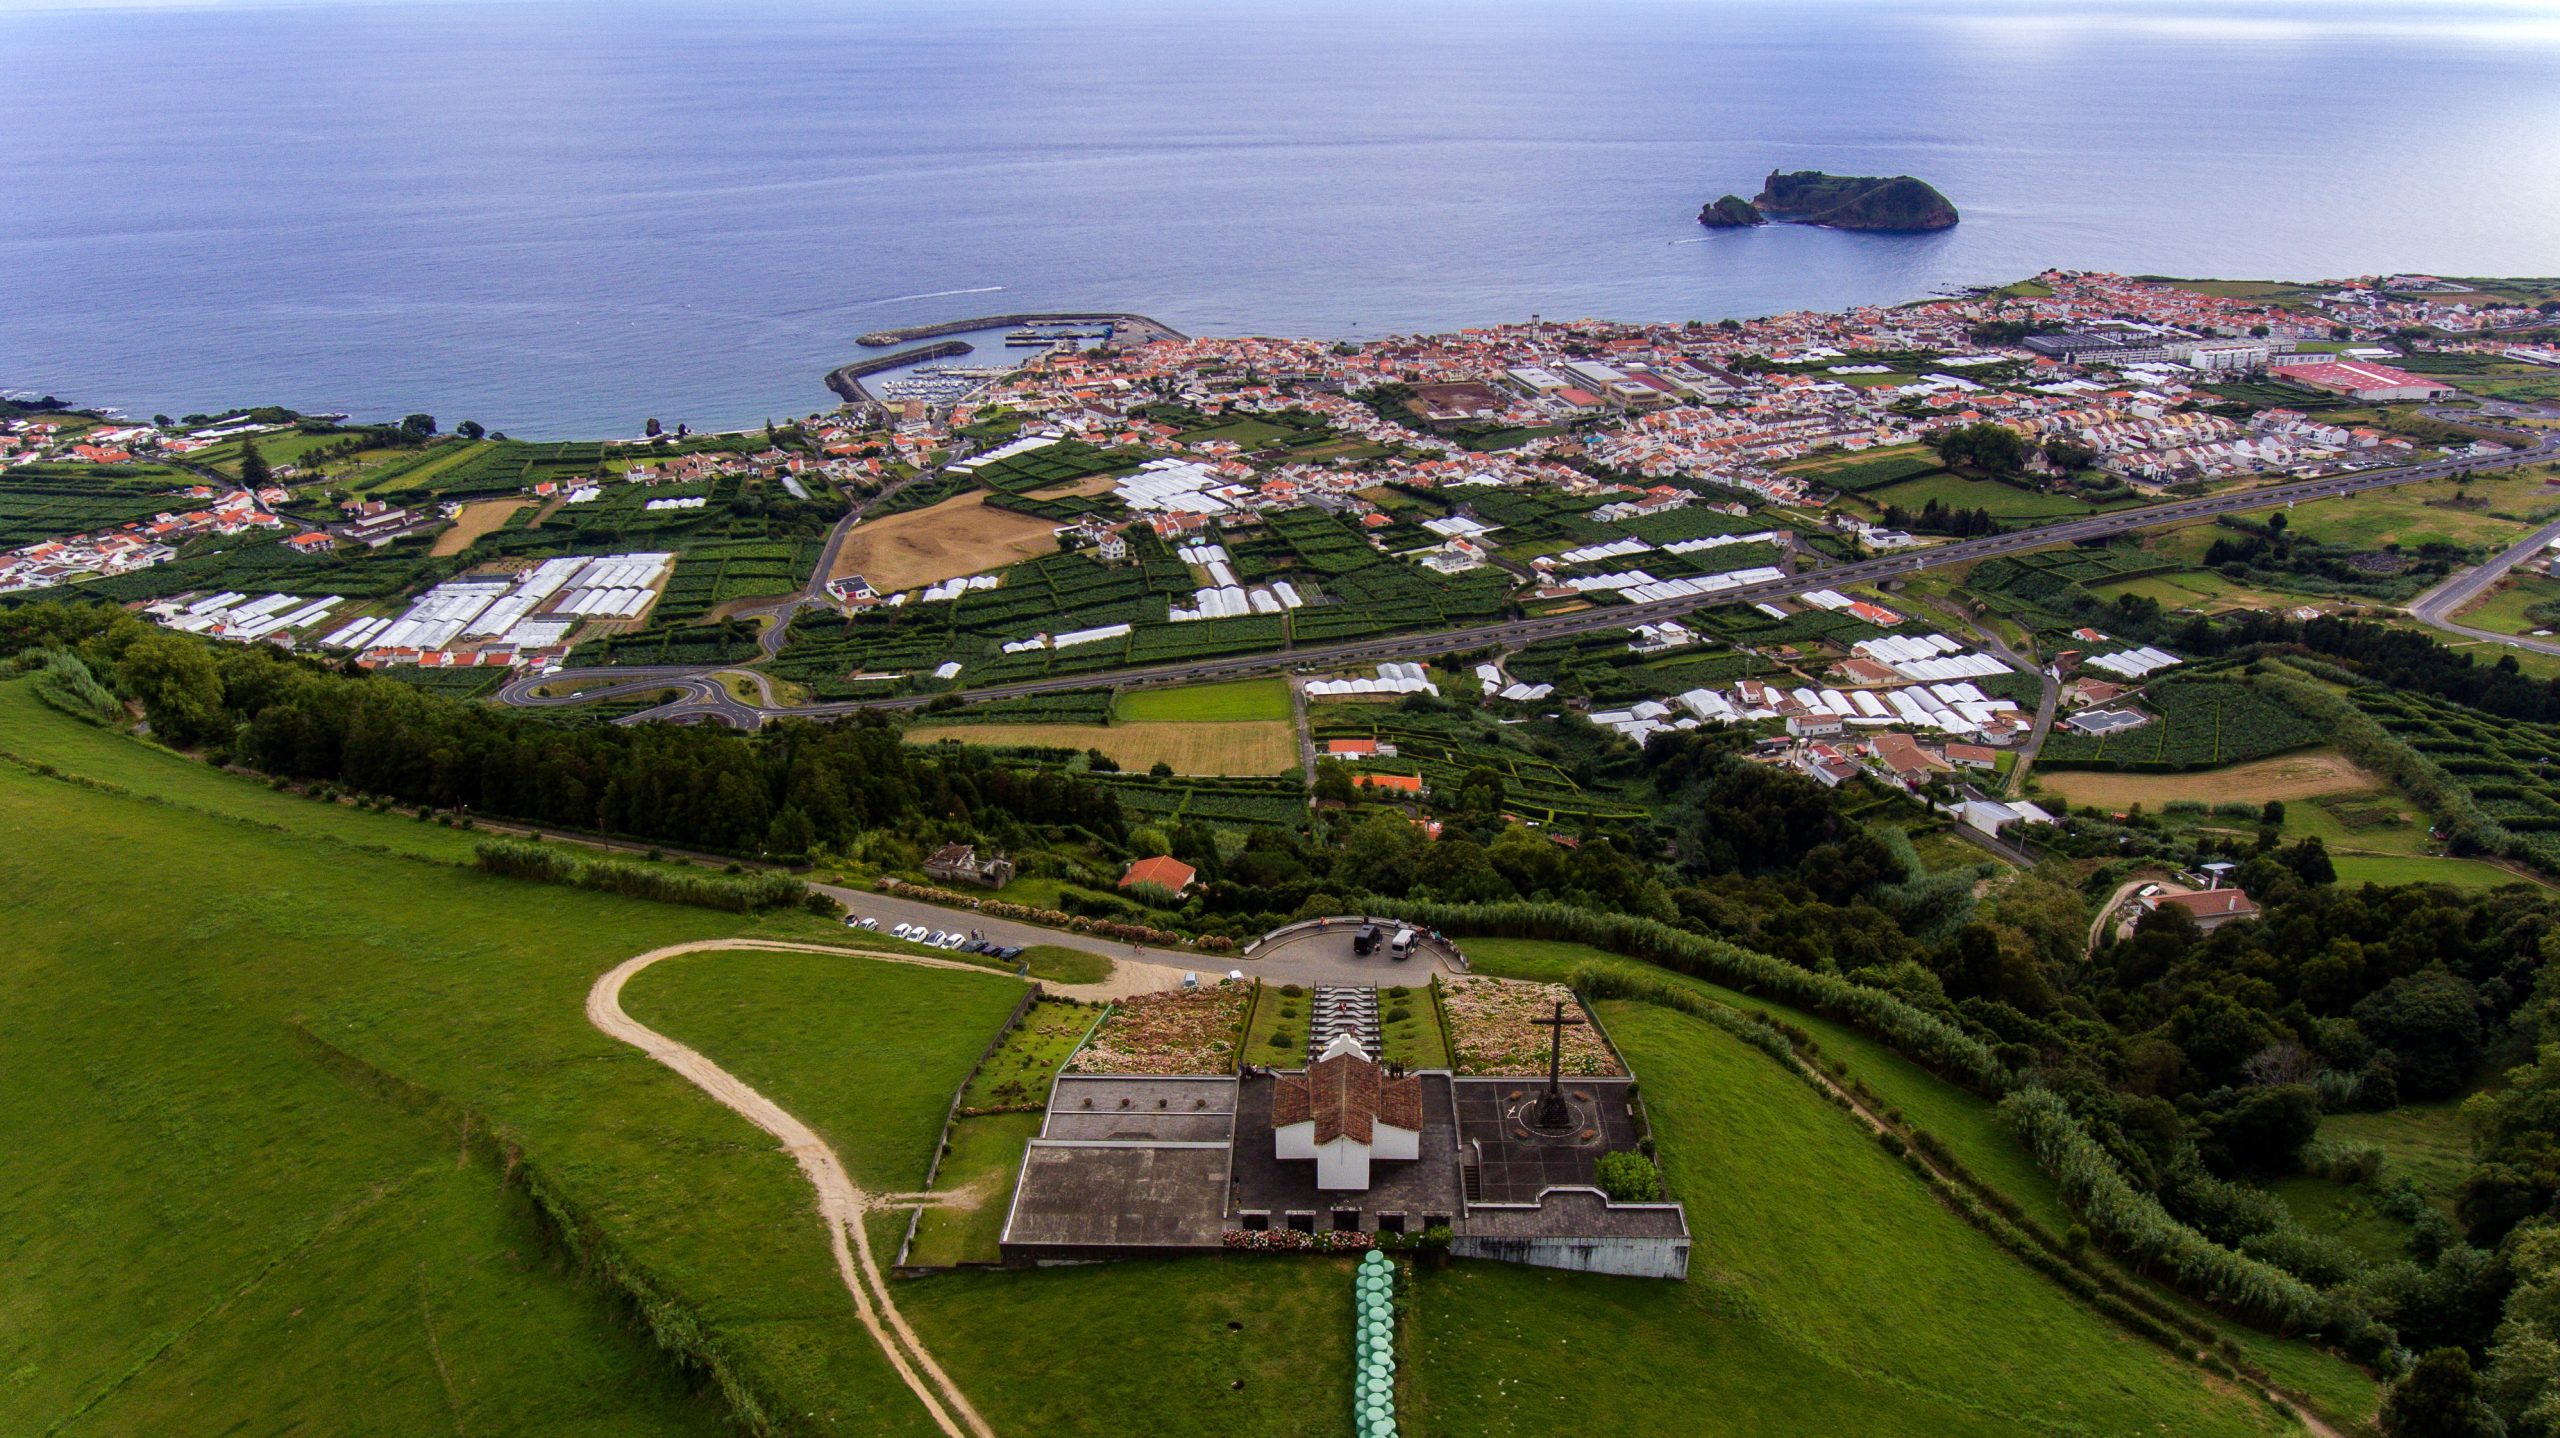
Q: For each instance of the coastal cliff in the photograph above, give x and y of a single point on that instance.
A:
(1853, 202)
(1731, 213)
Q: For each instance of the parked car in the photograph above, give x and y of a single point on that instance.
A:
(868, 924)
(1009, 951)
(953, 941)
(974, 946)
(936, 937)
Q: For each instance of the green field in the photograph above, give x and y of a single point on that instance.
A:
(2504, 610)
(1828, 1293)
(256, 1072)
(2004, 501)
(2424, 1143)
(1416, 1040)
(867, 1053)
(976, 1183)
(1240, 700)
(1276, 1035)
(1968, 1127)
(256, 1069)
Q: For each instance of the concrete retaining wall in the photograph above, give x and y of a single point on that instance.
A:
(1624, 1257)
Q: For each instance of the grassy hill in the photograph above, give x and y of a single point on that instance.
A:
(327, 1141)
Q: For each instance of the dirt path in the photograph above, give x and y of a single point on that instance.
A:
(2106, 911)
(840, 1203)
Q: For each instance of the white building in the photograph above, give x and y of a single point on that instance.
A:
(1344, 1112)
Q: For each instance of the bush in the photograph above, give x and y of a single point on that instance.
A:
(1629, 1178)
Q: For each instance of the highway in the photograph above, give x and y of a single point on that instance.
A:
(2534, 448)
(2437, 606)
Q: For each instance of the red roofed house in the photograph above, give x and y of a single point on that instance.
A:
(1398, 783)
(2212, 908)
(1358, 749)
(1343, 1112)
(309, 541)
(1171, 875)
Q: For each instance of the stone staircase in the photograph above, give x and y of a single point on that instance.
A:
(1342, 1009)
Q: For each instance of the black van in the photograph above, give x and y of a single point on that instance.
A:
(1365, 941)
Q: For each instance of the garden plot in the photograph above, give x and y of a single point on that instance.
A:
(1493, 1030)
(1184, 1031)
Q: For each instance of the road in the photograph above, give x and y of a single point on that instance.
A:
(840, 1203)
(2534, 449)
(2437, 606)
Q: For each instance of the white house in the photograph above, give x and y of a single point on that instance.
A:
(1344, 1112)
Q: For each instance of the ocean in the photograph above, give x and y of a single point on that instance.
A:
(562, 219)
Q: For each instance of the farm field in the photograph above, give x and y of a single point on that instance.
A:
(240, 1150)
(2287, 777)
(1791, 1215)
(2199, 723)
(2202, 590)
(957, 537)
(1244, 699)
(1240, 747)
(475, 520)
(2415, 514)
(2005, 501)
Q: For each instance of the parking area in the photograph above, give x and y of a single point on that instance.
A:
(1327, 954)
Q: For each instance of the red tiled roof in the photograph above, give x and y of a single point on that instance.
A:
(1346, 1094)
(1171, 875)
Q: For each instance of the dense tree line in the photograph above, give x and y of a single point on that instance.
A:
(795, 787)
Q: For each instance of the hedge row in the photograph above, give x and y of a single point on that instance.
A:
(738, 893)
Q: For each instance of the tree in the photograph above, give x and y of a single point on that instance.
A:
(2430, 1021)
(2439, 1399)
(1984, 447)
(470, 429)
(254, 473)
(180, 688)
(418, 428)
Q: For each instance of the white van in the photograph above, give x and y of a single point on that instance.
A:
(1402, 948)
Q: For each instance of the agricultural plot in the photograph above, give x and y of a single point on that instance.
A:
(1602, 668)
(1445, 752)
(264, 563)
(2202, 724)
(1015, 484)
(1744, 624)
(54, 501)
(2290, 779)
(1242, 700)
(1254, 748)
(2004, 501)
(2503, 765)
(732, 642)
(2040, 589)
(1225, 803)
(1864, 470)
(1081, 706)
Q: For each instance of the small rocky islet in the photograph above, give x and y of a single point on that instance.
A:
(1839, 202)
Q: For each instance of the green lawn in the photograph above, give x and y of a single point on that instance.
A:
(1416, 1040)
(1208, 1347)
(1277, 1035)
(1968, 1126)
(1241, 699)
(867, 1053)
(2344, 1211)
(1828, 1293)
(985, 1159)
(1062, 965)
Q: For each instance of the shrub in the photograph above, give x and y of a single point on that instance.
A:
(1629, 1178)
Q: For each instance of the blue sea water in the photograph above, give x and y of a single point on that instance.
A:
(561, 218)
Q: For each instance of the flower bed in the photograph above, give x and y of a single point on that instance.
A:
(1181, 1031)
(1054, 918)
(1492, 1029)
(1290, 1240)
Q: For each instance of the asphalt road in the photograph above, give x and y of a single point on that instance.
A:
(2437, 606)
(1514, 633)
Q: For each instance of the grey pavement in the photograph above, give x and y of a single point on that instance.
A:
(2437, 606)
